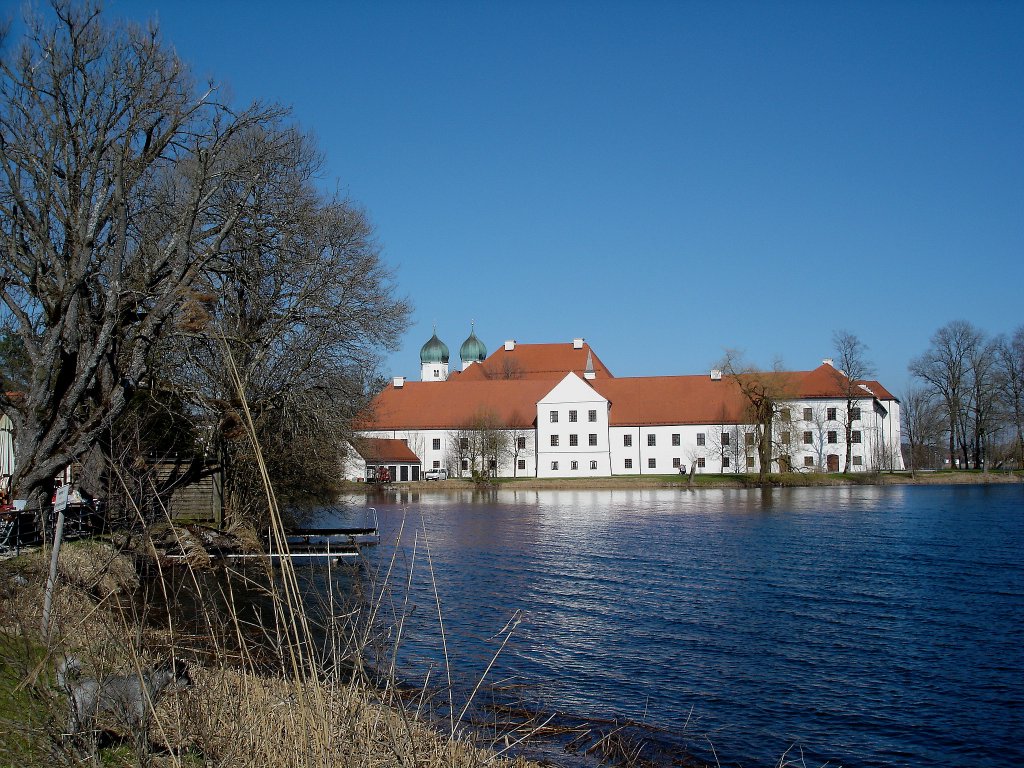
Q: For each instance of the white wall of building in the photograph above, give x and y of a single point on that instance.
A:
(665, 449)
(572, 431)
(437, 449)
(6, 446)
(353, 466)
(433, 371)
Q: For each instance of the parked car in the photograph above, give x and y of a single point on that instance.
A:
(435, 474)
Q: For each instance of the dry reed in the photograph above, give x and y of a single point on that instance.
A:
(265, 692)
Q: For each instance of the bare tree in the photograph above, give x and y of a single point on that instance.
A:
(460, 443)
(982, 414)
(854, 367)
(1010, 381)
(921, 424)
(519, 443)
(730, 439)
(488, 442)
(782, 439)
(151, 234)
(119, 183)
(290, 338)
(945, 369)
(764, 393)
(510, 368)
(819, 423)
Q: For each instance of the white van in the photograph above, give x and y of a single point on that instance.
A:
(435, 474)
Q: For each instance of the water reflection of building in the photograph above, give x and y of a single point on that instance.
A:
(556, 410)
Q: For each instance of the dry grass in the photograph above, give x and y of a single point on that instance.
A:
(288, 687)
(264, 693)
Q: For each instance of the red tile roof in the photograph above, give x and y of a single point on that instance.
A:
(456, 403)
(648, 400)
(542, 361)
(879, 391)
(827, 381)
(671, 400)
(376, 450)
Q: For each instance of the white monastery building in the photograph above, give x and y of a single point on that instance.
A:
(555, 410)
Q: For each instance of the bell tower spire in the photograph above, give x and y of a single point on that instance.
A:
(434, 359)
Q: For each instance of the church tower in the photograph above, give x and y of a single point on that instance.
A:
(472, 350)
(434, 360)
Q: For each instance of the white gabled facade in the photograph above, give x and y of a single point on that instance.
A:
(572, 431)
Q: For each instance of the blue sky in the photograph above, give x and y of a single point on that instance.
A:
(665, 179)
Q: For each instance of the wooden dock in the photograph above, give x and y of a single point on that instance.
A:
(305, 546)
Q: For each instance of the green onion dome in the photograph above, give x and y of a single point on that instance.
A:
(434, 351)
(473, 350)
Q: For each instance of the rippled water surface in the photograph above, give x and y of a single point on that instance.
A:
(869, 626)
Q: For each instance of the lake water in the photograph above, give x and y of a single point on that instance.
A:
(862, 626)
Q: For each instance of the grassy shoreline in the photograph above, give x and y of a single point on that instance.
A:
(630, 482)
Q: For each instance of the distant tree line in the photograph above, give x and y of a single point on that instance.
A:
(172, 281)
(967, 404)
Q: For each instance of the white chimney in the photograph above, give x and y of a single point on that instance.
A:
(510, 345)
(716, 375)
(577, 343)
(398, 381)
(827, 361)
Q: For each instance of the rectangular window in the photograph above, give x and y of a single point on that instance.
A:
(833, 437)
(749, 439)
(700, 462)
(574, 440)
(652, 464)
(492, 464)
(675, 463)
(700, 438)
(627, 441)
(436, 444)
(436, 465)
(725, 438)
(651, 440)
(785, 414)
(574, 465)
(725, 462)
(750, 462)
(785, 438)
(629, 464)
(593, 465)
(854, 414)
(592, 438)
(808, 438)
(554, 417)
(857, 461)
(830, 414)
(521, 443)
(554, 441)
(675, 440)
(572, 416)
(463, 443)
(522, 463)
(808, 416)
(855, 436)
(592, 416)
(808, 461)
(554, 466)
(465, 464)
